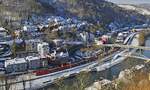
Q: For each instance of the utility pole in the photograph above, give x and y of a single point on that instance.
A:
(30, 82)
(24, 84)
(6, 83)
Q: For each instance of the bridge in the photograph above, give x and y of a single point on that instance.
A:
(128, 54)
(137, 56)
(126, 46)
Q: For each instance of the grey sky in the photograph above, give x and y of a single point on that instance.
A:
(130, 1)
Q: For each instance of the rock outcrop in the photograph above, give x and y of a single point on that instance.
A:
(125, 77)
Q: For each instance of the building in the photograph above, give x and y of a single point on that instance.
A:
(60, 56)
(84, 36)
(2, 65)
(9, 66)
(16, 65)
(3, 31)
(120, 38)
(20, 65)
(43, 49)
(58, 42)
(104, 39)
(33, 62)
(87, 37)
(31, 45)
(30, 28)
(17, 33)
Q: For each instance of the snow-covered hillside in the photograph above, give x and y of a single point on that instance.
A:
(135, 8)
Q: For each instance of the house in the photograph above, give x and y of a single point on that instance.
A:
(16, 65)
(100, 42)
(84, 36)
(105, 38)
(98, 33)
(33, 62)
(9, 66)
(125, 34)
(91, 37)
(109, 35)
(3, 31)
(87, 37)
(60, 55)
(43, 49)
(58, 42)
(29, 28)
(18, 33)
(38, 35)
(120, 38)
(20, 65)
(31, 45)
(2, 65)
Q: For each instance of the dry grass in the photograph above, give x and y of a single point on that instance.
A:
(140, 81)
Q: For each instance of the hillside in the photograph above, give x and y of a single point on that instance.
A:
(93, 11)
(96, 11)
(16, 10)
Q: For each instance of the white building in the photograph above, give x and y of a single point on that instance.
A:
(3, 31)
(9, 66)
(87, 37)
(16, 65)
(84, 36)
(43, 49)
(120, 38)
(62, 54)
(58, 42)
(33, 62)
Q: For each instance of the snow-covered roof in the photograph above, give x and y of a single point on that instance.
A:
(2, 29)
(15, 61)
(19, 60)
(43, 44)
(33, 40)
(9, 62)
(58, 40)
(31, 58)
(10, 42)
(30, 28)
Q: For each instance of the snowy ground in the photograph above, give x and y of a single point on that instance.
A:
(134, 8)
